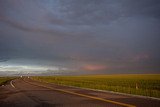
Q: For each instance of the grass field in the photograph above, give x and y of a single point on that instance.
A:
(3, 80)
(147, 85)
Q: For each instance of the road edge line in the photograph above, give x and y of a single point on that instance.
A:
(112, 92)
(83, 95)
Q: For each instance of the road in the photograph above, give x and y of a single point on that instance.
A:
(25, 92)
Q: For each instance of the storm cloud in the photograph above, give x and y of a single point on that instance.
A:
(102, 36)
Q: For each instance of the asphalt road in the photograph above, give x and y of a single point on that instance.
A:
(24, 92)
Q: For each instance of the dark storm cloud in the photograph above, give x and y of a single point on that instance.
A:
(93, 35)
(106, 11)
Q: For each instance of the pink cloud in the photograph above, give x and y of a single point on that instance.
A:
(94, 67)
(140, 57)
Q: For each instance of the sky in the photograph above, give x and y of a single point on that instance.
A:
(79, 36)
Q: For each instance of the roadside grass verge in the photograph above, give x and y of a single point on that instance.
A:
(4, 80)
(137, 84)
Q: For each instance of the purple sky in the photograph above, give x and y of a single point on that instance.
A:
(79, 36)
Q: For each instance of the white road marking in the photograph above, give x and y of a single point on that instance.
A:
(12, 84)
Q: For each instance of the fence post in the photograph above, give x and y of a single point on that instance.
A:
(136, 86)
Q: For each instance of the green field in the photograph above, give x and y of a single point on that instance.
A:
(3, 80)
(147, 85)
